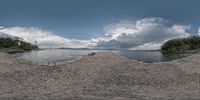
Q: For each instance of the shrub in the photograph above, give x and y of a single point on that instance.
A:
(8, 43)
(181, 45)
(26, 46)
(195, 41)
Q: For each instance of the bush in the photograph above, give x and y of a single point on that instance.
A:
(195, 41)
(26, 46)
(181, 45)
(8, 43)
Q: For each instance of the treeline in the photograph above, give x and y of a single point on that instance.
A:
(9, 43)
(183, 45)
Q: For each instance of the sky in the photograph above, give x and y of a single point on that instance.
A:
(121, 24)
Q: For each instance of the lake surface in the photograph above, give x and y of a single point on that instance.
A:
(62, 56)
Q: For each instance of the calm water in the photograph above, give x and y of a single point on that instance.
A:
(61, 56)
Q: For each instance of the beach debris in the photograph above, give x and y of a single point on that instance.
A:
(92, 54)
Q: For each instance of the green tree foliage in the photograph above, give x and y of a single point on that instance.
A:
(8, 43)
(26, 46)
(195, 41)
(181, 45)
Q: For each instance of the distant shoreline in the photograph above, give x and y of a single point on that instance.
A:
(97, 49)
(64, 56)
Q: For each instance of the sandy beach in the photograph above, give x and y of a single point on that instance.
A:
(103, 76)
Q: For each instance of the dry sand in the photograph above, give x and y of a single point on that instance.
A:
(103, 76)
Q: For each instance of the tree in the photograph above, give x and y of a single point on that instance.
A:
(8, 43)
(26, 46)
(195, 41)
(181, 45)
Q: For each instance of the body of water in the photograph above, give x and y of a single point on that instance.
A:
(62, 56)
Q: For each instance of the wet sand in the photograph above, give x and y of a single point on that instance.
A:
(103, 76)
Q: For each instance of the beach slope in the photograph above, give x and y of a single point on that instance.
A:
(101, 76)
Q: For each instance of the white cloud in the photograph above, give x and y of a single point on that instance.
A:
(44, 38)
(199, 31)
(148, 46)
(148, 33)
(145, 34)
